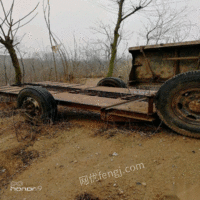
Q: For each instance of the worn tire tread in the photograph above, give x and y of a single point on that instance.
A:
(50, 102)
(117, 81)
(180, 78)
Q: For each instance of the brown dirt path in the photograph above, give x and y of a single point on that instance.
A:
(63, 152)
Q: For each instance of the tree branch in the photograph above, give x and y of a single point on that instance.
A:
(3, 32)
(26, 15)
(26, 22)
(131, 13)
(6, 17)
(5, 11)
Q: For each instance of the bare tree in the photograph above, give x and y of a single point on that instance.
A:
(125, 9)
(9, 29)
(103, 44)
(46, 11)
(55, 47)
(166, 25)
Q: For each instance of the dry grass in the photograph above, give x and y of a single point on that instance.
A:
(17, 138)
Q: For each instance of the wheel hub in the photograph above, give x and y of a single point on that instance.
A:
(186, 105)
(31, 109)
(194, 106)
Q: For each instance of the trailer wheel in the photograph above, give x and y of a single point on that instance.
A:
(112, 82)
(37, 105)
(178, 103)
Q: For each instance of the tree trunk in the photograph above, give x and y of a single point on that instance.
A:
(15, 62)
(113, 55)
(115, 40)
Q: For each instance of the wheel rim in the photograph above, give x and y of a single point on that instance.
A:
(31, 109)
(186, 106)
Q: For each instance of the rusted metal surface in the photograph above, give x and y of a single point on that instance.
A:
(147, 62)
(186, 105)
(57, 86)
(182, 58)
(169, 45)
(109, 92)
(88, 98)
(164, 61)
(198, 62)
(31, 110)
(151, 106)
(131, 115)
(136, 109)
(124, 91)
(135, 106)
(120, 92)
(12, 90)
(177, 62)
(53, 84)
(117, 107)
(106, 106)
(120, 103)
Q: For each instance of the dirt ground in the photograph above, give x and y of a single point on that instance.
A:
(82, 158)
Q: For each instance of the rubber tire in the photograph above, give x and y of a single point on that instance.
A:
(163, 102)
(43, 97)
(112, 82)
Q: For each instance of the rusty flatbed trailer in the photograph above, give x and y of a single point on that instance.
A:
(111, 103)
(171, 68)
